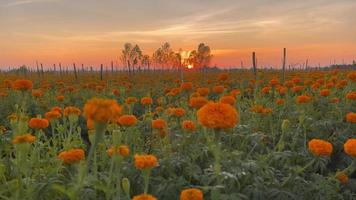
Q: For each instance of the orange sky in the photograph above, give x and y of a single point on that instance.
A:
(93, 32)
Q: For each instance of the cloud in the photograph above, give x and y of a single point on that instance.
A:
(22, 2)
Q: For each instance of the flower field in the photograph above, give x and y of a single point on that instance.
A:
(148, 135)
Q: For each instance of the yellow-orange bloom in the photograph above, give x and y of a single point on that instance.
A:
(146, 101)
(320, 147)
(159, 124)
(51, 115)
(38, 123)
(102, 110)
(351, 117)
(188, 125)
(351, 96)
(223, 76)
(218, 89)
(26, 138)
(60, 98)
(217, 115)
(71, 110)
(303, 99)
(228, 100)
(72, 156)
(127, 120)
(22, 85)
(203, 91)
(130, 100)
(197, 102)
(145, 161)
(191, 194)
(186, 86)
(324, 92)
(122, 150)
(36, 93)
(350, 147)
(178, 112)
(144, 197)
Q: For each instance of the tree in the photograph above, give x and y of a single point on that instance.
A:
(131, 56)
(145, 61)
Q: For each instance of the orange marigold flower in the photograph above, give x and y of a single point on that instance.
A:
(102, 110)
(57, 108)
(116, 92)
(178, 112)
(297, 88)
(72, 156)
(188, 125)
(71, 110)
(145, 161)
(144, 197)
(350, 147)
(130, 100)
(203, 91)
(335, 100)
(197, 102)
(191, 194)
(26, 138)
(90, 124)
(228, 100)
(127, 120)
(352, 76)
(218, 89)
(159, 124)
(37, 93)
(289, 84)
(342, 177)
(235, 92)
(351, 96)
(122, 150)
(351, 117)
(303, 99)
(282, 90)
(223, 76)
(51, 115)
(38, 123)
(324, 92)
(186, 86)
(60, 98)
(320, 147)
(3, 94)
(22, 85)
(280, 101)
(146, 101)
(274, 82)
(217, 115)
(265, 90)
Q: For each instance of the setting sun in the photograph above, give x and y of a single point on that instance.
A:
(190, 66)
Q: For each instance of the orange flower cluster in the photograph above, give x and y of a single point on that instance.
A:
(186, 86)
(223, 76)
(159, 124)
(23, 85)
(26, 138)
(102, 110)
(191, 194)
(146, 101)
(303, 99)
(37, 93)
(218, 89)
(217, 115)
(188, 125)
(280, 101)
(203, 91)
(197, 102)
(130, 100)
(127, 120)
(350, 147)
(60, 98)
(351, 96)
(116, 92)
(324, 92)
(145, 161)
(38, 123)
(122, 150)
(71, 110)
(177, 112)
(72, 156)
(320, 147)
(144, 197)
(351, 117)
(228, 100)
(52, 115)
(261, 109)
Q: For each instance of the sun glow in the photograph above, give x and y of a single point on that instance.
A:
(190, 66)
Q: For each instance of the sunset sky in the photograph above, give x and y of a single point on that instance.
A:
(94, 32)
